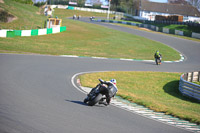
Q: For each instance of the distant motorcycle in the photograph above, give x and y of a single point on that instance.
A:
(91, 18)
(158, 61)
(158, 57)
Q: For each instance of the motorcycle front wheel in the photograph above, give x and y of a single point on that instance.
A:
(85, 100)
(158, 61)
(95, 100)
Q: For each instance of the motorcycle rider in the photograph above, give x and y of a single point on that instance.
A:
(109, 90)
(157, 55)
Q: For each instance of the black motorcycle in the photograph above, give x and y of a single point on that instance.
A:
(158, 61)
(95, 94)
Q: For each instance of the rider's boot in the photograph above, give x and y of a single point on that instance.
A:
(103, 102)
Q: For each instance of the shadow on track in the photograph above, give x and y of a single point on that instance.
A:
(82, 103)
(77, 102)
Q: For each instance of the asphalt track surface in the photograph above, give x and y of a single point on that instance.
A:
(37, 95)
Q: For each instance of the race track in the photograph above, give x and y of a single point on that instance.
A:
(37, 96)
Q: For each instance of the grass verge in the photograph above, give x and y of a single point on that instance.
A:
(185, 28)
(160, 91)
(148, 30)
(198, 83)
(84, 39)
(26, 16)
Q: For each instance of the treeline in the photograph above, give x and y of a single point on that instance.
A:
(39, 4)
(126, 6)
(80, 3)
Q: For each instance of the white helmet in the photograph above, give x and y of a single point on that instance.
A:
(114, 81)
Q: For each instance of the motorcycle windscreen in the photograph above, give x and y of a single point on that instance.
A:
(113, 91)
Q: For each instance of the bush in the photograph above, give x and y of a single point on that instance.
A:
(121, 9)
(4, 16)
(39, 4)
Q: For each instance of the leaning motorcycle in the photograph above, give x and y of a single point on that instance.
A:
(95, 95)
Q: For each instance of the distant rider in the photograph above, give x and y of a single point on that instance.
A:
(74, 16)
(157, 55)
(91, 18)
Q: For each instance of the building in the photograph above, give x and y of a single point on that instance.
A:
(149, 10)
(178, 2)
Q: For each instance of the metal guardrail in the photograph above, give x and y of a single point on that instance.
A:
(172, 22)
(155, 28)
(186, 87)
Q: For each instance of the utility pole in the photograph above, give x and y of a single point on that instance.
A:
(108, 9)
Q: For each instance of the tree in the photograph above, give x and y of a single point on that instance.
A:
(195, 3)
(127, 6)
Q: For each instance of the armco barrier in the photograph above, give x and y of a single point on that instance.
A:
(195, 35)
(166, 30)
(178, 32)
(188, 88)
(33, 32)
(155, 28)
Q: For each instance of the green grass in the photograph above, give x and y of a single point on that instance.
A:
(27, 16)
(155, 90)
(88, 42)
(198, 83)
(69, 13)
(185, 28)
(92, 40)
(125, 21)
(81, 39)
(140, 28)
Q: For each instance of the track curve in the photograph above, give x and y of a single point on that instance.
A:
(36, 94)
(190, 49)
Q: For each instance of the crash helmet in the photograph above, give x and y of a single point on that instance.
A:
(157, 52)
(114, 81)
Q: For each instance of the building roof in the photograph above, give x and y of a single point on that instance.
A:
(185, 10)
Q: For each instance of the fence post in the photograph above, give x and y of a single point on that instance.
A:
(198, 76)
(192, 76)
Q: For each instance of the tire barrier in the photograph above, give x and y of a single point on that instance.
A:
(33, 32)
(155, 28)
(186, 87)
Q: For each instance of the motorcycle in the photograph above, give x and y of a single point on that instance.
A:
(91, 18)
(95, 95)
(158, 61)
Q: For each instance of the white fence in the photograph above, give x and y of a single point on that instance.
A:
(186, 87)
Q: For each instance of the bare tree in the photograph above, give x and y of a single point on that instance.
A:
(195, 3)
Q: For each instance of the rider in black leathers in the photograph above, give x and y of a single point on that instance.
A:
(107, 88)
(157, 55)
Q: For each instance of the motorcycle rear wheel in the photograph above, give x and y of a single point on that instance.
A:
(95, 100)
